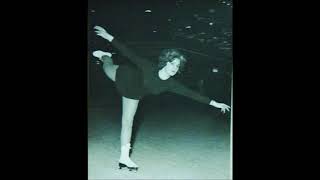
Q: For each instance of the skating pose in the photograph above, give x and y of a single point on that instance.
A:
(146, 77)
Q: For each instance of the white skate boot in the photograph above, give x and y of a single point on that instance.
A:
(124, 160)
(98, 54)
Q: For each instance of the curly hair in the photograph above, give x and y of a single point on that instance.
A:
(168, 55)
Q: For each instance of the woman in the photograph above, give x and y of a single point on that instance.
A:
(144, 77)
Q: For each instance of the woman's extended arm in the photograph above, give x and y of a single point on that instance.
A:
(180, 89)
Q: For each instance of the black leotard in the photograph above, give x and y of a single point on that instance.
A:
(142, 79)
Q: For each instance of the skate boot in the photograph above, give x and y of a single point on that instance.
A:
(98, 54)
(124, 160)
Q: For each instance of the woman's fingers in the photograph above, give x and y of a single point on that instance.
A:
(225, 107)
(99, 32)
(99, 28)
(100, 35)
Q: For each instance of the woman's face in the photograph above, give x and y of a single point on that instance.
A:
(172, 67)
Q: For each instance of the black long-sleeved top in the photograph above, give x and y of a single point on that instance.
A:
(137, 81)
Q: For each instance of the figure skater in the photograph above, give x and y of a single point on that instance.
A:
(144, 77)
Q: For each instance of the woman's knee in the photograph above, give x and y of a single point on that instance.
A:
(107, 59)
(129, 109)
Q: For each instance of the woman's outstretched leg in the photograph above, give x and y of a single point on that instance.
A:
(129, 108)
(109, 67)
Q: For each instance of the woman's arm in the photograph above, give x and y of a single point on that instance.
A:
(180, 89)
(103, 33)
(222, 106)
(124, 50)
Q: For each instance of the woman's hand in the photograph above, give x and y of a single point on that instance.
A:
(222, 106)
(103, 33)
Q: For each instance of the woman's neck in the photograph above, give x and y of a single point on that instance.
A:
(163, 75)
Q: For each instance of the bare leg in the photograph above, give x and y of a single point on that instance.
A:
(109, 68)
(129, 108)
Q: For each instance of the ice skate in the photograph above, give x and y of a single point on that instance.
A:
(124, 160)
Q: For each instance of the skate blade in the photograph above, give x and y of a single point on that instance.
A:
(121, 165)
